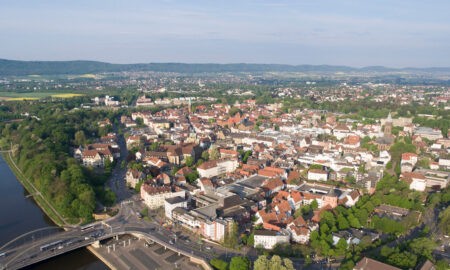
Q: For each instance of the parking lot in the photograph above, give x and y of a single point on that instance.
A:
(128, 252)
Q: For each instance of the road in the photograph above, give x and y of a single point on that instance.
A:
(117, 181)
(125, 222)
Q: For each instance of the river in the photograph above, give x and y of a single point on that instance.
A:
(20, 214)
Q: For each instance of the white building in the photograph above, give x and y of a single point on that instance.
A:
(217, 167)
(317, 175)
(268, 239)
(172, 203)
(429, 133)
(444, 163)
(215, 230)
(155, 196)
(133, 177)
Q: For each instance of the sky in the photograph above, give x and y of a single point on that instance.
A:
(392, 33)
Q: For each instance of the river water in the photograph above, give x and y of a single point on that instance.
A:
(19, 215)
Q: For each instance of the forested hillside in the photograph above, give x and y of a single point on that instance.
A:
(42, 145)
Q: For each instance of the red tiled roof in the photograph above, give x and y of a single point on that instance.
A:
(271, 184)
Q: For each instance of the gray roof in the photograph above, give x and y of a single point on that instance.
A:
(175, 200)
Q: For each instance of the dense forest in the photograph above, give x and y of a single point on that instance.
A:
(17, 68)
(42, 145)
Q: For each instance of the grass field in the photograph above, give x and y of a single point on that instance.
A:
(13, 96)
(67, 95)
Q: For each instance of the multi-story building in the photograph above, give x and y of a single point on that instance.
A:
(217, 167)
(268, 239)
(155, 196)
(317, 175)
(171, 203)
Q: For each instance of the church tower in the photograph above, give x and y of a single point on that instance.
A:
(189, 105)
(388, 126)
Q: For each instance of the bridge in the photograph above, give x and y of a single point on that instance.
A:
(45, 243)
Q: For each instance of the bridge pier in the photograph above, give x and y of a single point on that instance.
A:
(96, 244)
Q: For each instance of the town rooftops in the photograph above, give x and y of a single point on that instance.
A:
(317, 171)
(371, 264)
(266, 232)
(207, 165)
(175, 200)
(255, 181)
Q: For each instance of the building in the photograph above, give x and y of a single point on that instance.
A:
(155, 196)
(317, 175)
(96, 158)
(144, 101)
(172, 203)
(268, 239)
(444, 162)
(217, 167)
(429, 133)
(371, 264)
(409, 160)
(133, 177)
(299, 230)
(421, 179)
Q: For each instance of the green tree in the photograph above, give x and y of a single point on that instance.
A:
(275, 263)
(138, 186)
(214, 154)
(423, 247)
(231, 237)
(219, 264)
(192, 176)
(444, 221)
(314, 204)
(342, 223)
(262, 263)
(205, 155)
(154, 146)
(288, 264)
(190, 161)
(353, 221)
(139, 121)
(80, 138)
(341, 247)
(239, 263)
(246, 155)
(233, 111)
(404, 259)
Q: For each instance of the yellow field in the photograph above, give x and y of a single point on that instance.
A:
(68, 95)
(21, 98)
(11, 96)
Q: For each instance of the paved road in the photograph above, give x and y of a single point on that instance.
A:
(126, 221)
(117, 182)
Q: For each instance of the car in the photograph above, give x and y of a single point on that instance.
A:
(188, 241)
(208, 248)
(171, 242)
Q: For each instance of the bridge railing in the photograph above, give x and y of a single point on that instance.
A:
(24, 258)
(28, 237)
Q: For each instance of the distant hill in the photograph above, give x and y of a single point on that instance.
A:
(19, 68)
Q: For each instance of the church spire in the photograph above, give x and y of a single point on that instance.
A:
(389, 118)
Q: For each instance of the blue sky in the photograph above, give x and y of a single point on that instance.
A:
(395, 33)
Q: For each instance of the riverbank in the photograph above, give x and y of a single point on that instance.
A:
(41, 202)
(22, 214)
(101, 257)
